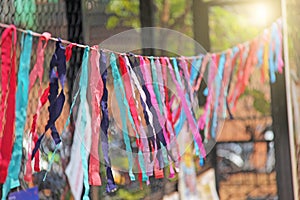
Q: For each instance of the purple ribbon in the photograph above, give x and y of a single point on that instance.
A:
(111, 186)
(57, 71)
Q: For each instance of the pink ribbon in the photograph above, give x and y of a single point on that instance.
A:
(38, 68)
(37, 72)
(203, 68)
(192, 123)
(203, 120)
(96, 91)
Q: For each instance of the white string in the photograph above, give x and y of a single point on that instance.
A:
(131, 54)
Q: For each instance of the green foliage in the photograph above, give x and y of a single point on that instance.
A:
(260, 103)
(228, 29)
(126, 13)
(123, 13)
(132, 195)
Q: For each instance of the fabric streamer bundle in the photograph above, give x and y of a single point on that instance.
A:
(141, 85)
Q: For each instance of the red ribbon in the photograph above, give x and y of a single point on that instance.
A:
(8, 98)
(96, 90)
(129, 96)
(68, 52)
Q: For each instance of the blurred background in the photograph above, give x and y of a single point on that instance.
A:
(255, 156)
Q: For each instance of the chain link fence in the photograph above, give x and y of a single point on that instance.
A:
(61, 18)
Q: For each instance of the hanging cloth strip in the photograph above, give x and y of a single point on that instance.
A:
(155, 82)
(232, 97)
(260, 59)
(133, 114)
(8, 99)
(235, 55)
(38, 69)
(157, 104)
(265, 66)
(111, 186)
(191, 120)
(160, 83)
(182, 118)
(157, 117)
(12, 179)
(196, 69)
(224, 84)
(205, 121)
(279, 43)
(57, 72)
(202, 71)
(173, 146)
(83, 84)
(69, 51)
(245, 70)
(184, 67)
(119, 91)
(147, 113)
(272, 47)
(218, 87)
(143, 138)
(96, 91)
(37, 72)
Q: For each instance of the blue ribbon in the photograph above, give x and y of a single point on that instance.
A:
(12, 179)
(195, 69)
(218, 81)
(271, 56)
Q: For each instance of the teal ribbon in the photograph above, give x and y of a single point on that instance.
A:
(119, 91)
(195, 69)
(182, 118)
(155, 85)
(83, 82)
(271, 57)
(218, 81)
(116, 73)
(12, 179)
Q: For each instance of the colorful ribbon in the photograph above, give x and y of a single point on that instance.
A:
(8, 99)
(57, 71)
(158, 119)
(96, 91)
(37, 72)
(83, 84)
(189, 115)
(218, 86)
(132, 114)
(111, 186)
(119, 91)
(12, 179)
